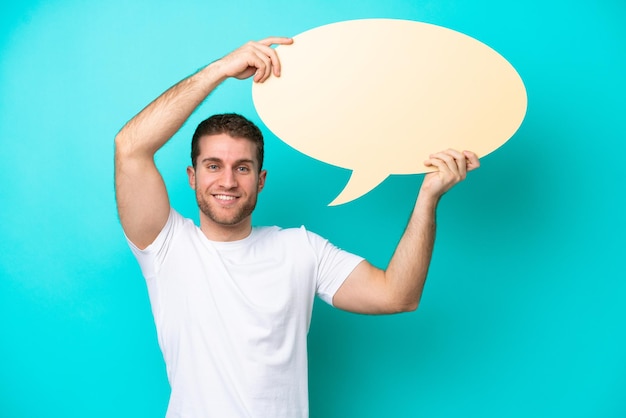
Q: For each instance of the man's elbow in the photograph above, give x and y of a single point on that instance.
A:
(122, 143)
(409, 306)
(403, 305)
(128, 147)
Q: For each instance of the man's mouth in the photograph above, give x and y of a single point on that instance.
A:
(224, 197)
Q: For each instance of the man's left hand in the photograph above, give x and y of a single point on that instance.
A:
(452, 167)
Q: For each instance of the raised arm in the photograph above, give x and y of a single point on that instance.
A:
(398, 289)
(142, 200)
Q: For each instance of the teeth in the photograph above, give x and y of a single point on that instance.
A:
(224, 197)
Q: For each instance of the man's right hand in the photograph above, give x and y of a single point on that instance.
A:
(254, 58)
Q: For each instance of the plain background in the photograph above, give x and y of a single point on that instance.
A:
(523, 313)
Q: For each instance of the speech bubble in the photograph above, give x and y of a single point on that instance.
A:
(378, 96)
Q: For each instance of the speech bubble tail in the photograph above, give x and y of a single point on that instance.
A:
(359, 184)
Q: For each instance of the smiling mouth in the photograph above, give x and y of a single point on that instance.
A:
(224, 198)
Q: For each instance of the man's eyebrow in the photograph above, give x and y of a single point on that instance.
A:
(211, 159)
(219, 160)
(245, 160)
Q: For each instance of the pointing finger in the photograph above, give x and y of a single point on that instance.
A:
(276, 40)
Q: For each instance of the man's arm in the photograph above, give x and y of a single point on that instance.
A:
(142, 200)
(398, 289)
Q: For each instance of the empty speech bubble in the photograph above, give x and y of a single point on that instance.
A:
(378, 96)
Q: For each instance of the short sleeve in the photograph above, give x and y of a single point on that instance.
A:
(151, 257)
(334, 265)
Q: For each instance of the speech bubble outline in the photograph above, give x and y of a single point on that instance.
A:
(378, 96)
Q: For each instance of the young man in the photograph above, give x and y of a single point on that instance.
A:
(232, 303)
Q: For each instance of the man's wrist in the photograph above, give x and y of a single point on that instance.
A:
(213, 74)
(427, 201)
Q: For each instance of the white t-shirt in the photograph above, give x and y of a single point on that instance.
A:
(232, 317)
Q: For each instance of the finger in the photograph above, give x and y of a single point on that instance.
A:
(274, 61)
(261, 63)
(273, 56)
(437, 163)
(262, 58)
(460, 161)
(276, 40)
(266, 69)
(454, 160)
(472, 160)
(267, 43)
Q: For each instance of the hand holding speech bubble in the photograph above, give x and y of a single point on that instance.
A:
(378, 96)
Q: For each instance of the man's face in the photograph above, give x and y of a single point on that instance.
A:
(226, 180)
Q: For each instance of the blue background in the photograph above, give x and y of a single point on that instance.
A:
(523, 314)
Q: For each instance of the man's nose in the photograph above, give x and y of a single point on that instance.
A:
(228, 180)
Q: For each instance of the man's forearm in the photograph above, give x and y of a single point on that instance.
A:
(161, 119)
(408, 268)
(399, 288)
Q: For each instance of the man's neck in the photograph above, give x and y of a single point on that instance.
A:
(225, 233)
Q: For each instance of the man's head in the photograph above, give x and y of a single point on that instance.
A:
(226, 153)
(232, 124)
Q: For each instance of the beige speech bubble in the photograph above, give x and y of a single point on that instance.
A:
(378, 96)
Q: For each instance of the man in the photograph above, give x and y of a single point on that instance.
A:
(232, 303)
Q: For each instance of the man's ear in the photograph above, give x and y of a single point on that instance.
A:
(191, 173)
(262, 177)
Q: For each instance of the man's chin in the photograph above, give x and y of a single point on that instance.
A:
(226, 220)
(223, 220)
(225, 216)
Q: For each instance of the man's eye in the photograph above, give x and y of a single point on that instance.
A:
(243, 169)
(212, 167)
